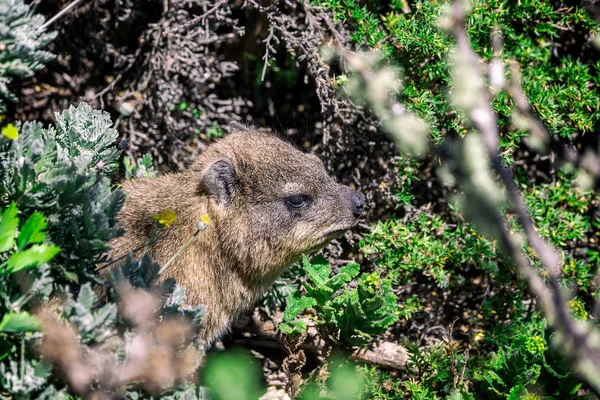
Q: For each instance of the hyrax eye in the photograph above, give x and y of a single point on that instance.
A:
(298, 200)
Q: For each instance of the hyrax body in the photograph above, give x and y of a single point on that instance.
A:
(268, 203)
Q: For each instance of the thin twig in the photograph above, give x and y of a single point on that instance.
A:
(59, 15)
(196, 19)
(268, 47)
(181, 249)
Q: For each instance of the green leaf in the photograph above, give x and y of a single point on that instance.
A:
(33, 257)
(8, 227)
(491, 377)
(320, 293)
(317, 269)
(296, 303)
(351, 269)
(32, 231)
(21, 322)
(292, 327)
(517, 393)
(347, 272)
(233, 374)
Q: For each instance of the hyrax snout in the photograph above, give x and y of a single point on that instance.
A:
(268, 203)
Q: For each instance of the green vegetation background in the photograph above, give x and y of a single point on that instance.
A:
(442, 289)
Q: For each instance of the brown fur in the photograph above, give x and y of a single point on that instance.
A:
(254, 233)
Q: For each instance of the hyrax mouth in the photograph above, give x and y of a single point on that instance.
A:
(332, 234)
(338, 232)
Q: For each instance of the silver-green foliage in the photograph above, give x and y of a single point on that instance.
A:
(57, 210)
(21, 41)
(62, 172)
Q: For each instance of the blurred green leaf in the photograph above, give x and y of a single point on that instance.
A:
(32, 231)
(9, 222)
(33, 257)
(233, 374)
(344, 382)
(19, 322)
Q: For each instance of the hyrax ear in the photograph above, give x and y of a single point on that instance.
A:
(219, 179)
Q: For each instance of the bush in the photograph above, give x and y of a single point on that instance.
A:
(450, 253)
(433, 246)
(559, 79)
(425, 277)
(21, 42)
(64, 172)
(60, 179)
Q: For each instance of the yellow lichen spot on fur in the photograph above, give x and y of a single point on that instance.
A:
(165, 218)
(10, 131)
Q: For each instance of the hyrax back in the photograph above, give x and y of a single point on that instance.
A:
(268, 203)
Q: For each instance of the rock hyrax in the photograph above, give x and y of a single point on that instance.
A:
(268, 203)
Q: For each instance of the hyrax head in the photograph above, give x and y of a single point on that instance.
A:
(271, 202)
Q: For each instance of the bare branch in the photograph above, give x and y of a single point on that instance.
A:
(268, 48)
(553, 301)
(59, 15)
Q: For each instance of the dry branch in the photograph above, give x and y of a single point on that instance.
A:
(576, 338)
(258, 331)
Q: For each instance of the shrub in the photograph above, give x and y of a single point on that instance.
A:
(21, 41)
(64, 172)
(60, 179)
(510, 342)
(426, 243)
(347, 316)
(558, 80)
(433, 244)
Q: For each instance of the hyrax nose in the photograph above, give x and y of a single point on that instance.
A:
(358, 203)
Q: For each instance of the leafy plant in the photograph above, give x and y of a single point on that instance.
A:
(562, 88)
(524, 362)
(21, 42)
(63, 172)
(24, 254)
(350, 316)
(31, 233)
(59, 179)
(22, 248)
(426, 244)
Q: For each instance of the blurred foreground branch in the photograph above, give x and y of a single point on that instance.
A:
(577, 341)
(469, 159)
(157, 354)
